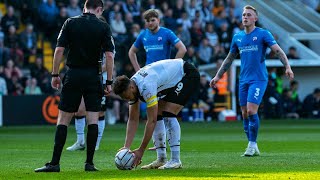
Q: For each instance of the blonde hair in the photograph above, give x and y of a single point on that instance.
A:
(252, 8)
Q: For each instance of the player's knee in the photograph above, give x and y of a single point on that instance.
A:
(251, 112)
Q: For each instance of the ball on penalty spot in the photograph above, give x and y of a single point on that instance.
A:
(124, 159)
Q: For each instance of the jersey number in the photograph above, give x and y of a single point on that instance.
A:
(179, 88)
(103, 100)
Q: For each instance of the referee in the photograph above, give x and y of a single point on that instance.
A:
(85, 36)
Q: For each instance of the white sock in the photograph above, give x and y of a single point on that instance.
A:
(101, 125)
(174, 135)
(80, 124)
(159, 140)
(252, 144)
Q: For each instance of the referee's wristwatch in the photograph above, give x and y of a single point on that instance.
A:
(109, 82)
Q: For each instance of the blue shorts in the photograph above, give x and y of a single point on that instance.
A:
(251, 91)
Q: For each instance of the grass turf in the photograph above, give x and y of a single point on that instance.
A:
(290, 149)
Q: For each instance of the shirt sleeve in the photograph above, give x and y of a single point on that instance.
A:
(149, 94)
(234, 46)
(138, 42)
(62, 40)
(173, 39)
(268, 38)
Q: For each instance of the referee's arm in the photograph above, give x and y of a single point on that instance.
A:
(58, 54)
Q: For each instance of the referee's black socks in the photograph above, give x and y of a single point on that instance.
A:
(59, 141)
(92, 136)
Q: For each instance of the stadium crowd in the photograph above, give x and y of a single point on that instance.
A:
(206, 27)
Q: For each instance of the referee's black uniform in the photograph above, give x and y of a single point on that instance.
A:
(85, 37)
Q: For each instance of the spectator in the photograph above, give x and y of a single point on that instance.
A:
(205, 52)
(4, 53)
(178, 9)
(28, 41)
(9, 19)
(191, 56)
(191, 9)
(311, 104)
(12, 42)
(196, 33)
(169, 21)
(185, 21)
(205, 97)
(73, 9)
(115, 10)
(205, 11)
(131, 7)
(31, 87)
(41, 74)
(218, 6)
(220, 19)
(293, 54)
(11, 70)
(149, 4)
(3, 83)
(289, 107)
(225, 36)
(48, 12)
(108, 4)
(211, 35)
(118, 27)
(128, 21)
(183, 35)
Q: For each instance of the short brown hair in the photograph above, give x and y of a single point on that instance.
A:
(252, 8)
(121, 84)
(93, 4)
(150, 13)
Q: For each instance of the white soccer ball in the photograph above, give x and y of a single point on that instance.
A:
(124, 159)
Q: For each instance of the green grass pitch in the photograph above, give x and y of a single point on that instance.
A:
(290, 149)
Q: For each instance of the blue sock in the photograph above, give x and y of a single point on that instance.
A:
(246, 127)
(254, 124)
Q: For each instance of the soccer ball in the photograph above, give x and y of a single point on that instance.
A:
(124, 159)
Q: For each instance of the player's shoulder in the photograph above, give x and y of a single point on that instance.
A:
(262, 30)
(239, 34)
(165, 30)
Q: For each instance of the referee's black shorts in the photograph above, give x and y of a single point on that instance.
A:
(79, 82)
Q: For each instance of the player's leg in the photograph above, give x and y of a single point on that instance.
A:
(101, 121)
(243, 94)
(159, 141)
(255, 94)
(175, 100)
(80, 124)
(69, 103)
(92, 98)
(169, 112)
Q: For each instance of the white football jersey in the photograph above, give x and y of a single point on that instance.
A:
(158, 76)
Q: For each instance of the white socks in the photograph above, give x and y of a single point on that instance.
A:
(159, 140)
(80, 124)
(174, 134)
(101, 126)
(252, 144)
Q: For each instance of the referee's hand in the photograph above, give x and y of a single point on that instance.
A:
(55, 82)
(107, 90)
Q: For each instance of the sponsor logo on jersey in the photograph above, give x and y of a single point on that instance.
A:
(248, 48)
(254, 38)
